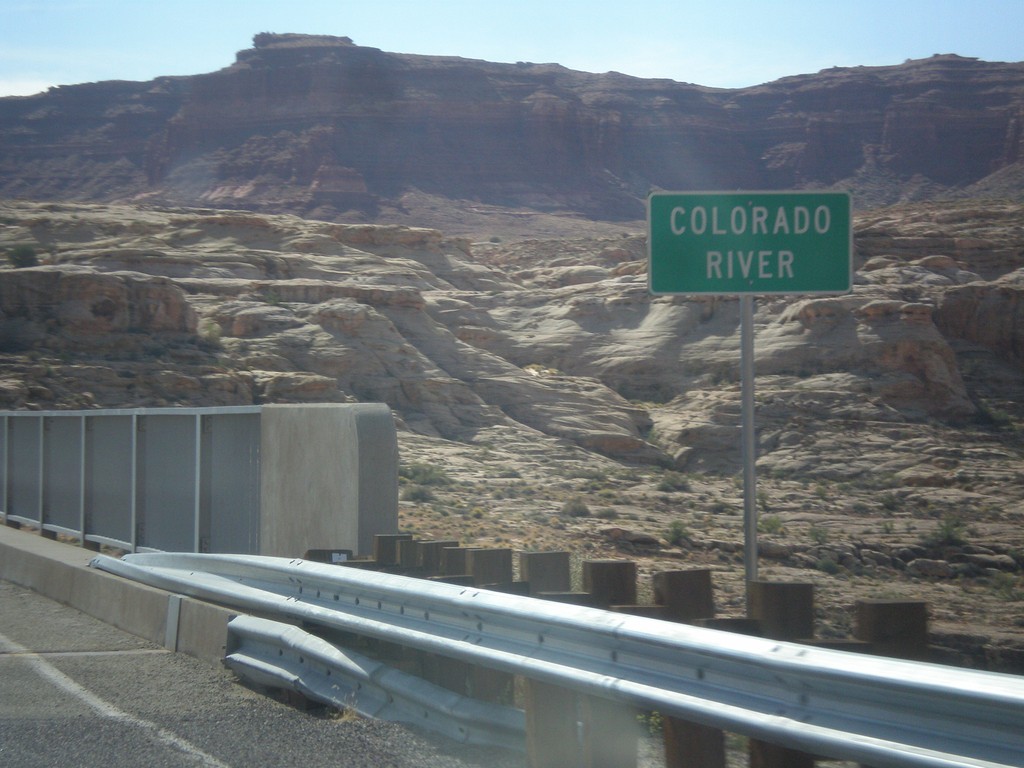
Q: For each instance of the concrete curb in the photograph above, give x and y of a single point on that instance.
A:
(61, 572)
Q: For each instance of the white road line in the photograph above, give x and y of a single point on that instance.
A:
(69, 686)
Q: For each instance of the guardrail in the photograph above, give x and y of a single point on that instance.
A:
(242, 479)
(879, 712)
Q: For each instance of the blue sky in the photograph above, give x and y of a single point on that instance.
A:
(710, 42)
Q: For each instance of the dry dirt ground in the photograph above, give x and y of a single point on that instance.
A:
(846, 539)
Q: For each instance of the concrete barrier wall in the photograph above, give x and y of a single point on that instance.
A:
(329, 477)
(60, 572)
(274, 480)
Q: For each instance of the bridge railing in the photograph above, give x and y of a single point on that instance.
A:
(248, 479)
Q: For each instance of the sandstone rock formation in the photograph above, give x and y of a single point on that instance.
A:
(543, 368)
(458, 337)
(328, 129)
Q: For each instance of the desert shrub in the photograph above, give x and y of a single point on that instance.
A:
(674, 481)
(575, 507)
(827, 565)
(818, 534)
(424, 474)
(1007, 586)
(417, 493)
(651, 722)
(22, 256)
(890, 502)
(770, 524)
(951, 531)
(676, 533)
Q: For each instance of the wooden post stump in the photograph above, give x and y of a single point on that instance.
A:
(572, 598)
(611, 582)
(385, 547)
(453, 561)
(430, 555)
(895, 628)
(545, 571)
(409, 555)
(490, 566)
(686, 595)
(492, 685)
(784, 609)
(690, 745)
(765, 755)
(739, 625)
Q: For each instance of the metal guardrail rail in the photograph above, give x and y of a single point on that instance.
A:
(876, 711)
(287, 657)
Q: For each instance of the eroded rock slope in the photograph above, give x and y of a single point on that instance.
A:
(534, 373)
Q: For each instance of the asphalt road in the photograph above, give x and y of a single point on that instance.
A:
(77, 692)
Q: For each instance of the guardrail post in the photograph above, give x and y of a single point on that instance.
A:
(545, 571)
(409, 554)
(690, 745)
(552, 733)
(785, 611)
(765, 755)
(611, 582)
(453, 561)
(385, 547)
(610, 733)
(490, 566)
(430, 555)
(686, 595)
(897, 628)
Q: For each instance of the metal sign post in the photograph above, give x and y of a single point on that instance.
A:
(748, 437)
(743, 244)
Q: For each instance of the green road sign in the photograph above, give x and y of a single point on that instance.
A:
(749, 242)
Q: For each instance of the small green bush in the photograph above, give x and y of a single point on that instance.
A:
(1008, 587)
(674, 481)
(818, 534)
(424, 474)
(575, 507)
(951, 531)
(677, 533)
(828, 565)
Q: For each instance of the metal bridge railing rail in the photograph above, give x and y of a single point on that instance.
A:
(880, 712)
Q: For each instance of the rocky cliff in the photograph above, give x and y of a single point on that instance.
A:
(560, 337)
(325, 128)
